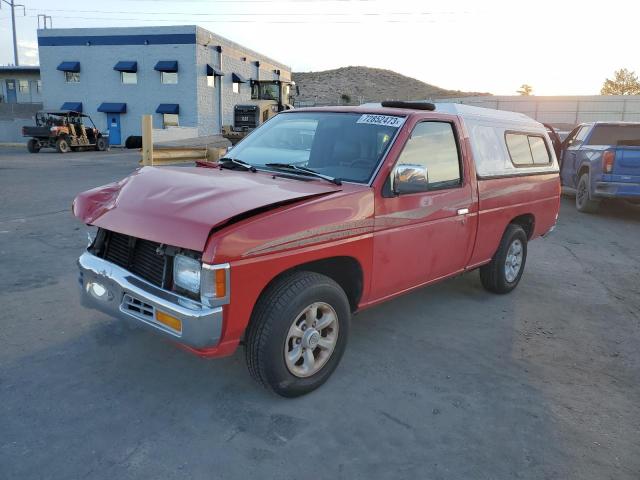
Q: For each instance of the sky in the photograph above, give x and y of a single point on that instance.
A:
(560, 47)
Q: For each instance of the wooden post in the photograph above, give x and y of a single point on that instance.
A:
(147, 140)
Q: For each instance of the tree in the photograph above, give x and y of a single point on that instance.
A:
(624, 83)
(525, 90)
(345, 98)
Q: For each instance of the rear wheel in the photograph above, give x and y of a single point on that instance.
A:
(101, 144)
(298, 333)
(584, 203)
(504, 271)
(62, 145)
(33, 146)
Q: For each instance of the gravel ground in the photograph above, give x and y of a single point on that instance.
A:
(449, 382)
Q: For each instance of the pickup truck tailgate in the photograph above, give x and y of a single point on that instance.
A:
(627, 163)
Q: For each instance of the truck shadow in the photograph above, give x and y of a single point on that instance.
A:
(429, 382)
(615, 209)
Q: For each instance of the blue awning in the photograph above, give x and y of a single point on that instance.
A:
(168, 108)
(73, 106)
(237, 78)
(113, 107)
(211, 71)
(69, 67)
(166, 66)
(125, 66)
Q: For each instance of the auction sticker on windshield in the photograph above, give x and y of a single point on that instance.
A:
(386, 120)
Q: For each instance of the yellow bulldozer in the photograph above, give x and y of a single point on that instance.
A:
(268, 97)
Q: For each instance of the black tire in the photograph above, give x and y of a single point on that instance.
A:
(274, 314)
(62, 145)
(584, 203)
(33, 146)
(101, 144)
(493, 275)
(133, 141)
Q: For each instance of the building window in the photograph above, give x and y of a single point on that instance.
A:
(170, 78)
(72, 77)
(170, 120)
(236, 87)
(23, 86)
(129, 78)
(211, 81)
(39, 86)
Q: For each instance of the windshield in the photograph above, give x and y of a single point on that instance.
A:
(347, 146)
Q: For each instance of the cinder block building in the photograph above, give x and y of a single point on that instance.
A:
(187, 77)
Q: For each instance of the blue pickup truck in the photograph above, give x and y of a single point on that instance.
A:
(602, 160)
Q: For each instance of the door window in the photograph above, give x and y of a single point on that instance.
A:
(433, 145)
(579, 136)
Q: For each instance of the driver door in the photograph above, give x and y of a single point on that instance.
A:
(428, 233)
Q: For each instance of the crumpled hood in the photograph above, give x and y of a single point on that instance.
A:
(179, 206)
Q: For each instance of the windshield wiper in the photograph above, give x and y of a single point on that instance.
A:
(304, 171)
(224, 161)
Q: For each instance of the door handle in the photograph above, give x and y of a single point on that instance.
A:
(463, 211)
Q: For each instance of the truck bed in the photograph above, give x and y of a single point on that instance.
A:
(32, 131)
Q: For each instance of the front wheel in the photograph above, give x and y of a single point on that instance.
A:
(504, 271)
(298, 333)
(62, 145)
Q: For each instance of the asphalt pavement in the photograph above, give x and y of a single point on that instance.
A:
(449, 382)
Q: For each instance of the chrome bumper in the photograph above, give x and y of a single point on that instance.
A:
(117, 292)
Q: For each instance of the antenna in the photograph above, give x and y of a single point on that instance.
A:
(44, 20)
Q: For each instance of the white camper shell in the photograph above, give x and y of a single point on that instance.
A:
(489, 132)
(502, 141)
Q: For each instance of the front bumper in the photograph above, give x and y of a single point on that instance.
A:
(117, 292)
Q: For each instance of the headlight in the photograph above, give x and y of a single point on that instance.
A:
(186, 273)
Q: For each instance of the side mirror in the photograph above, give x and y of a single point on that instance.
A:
(409, 178)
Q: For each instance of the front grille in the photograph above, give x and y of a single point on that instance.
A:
(245, 116)
(139, 256)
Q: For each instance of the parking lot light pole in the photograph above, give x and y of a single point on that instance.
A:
(16, 59)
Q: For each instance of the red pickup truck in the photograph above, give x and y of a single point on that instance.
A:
(318, 214)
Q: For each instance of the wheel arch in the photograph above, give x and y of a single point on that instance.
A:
(584, 168)
(528, 223)
(346, 271)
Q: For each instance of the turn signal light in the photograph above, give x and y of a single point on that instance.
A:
(607, 161)
(214, 288)
(221, 283)
(170, 321)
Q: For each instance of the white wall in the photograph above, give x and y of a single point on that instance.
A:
(568, 110)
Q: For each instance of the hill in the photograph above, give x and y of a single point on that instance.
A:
(363, 84)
